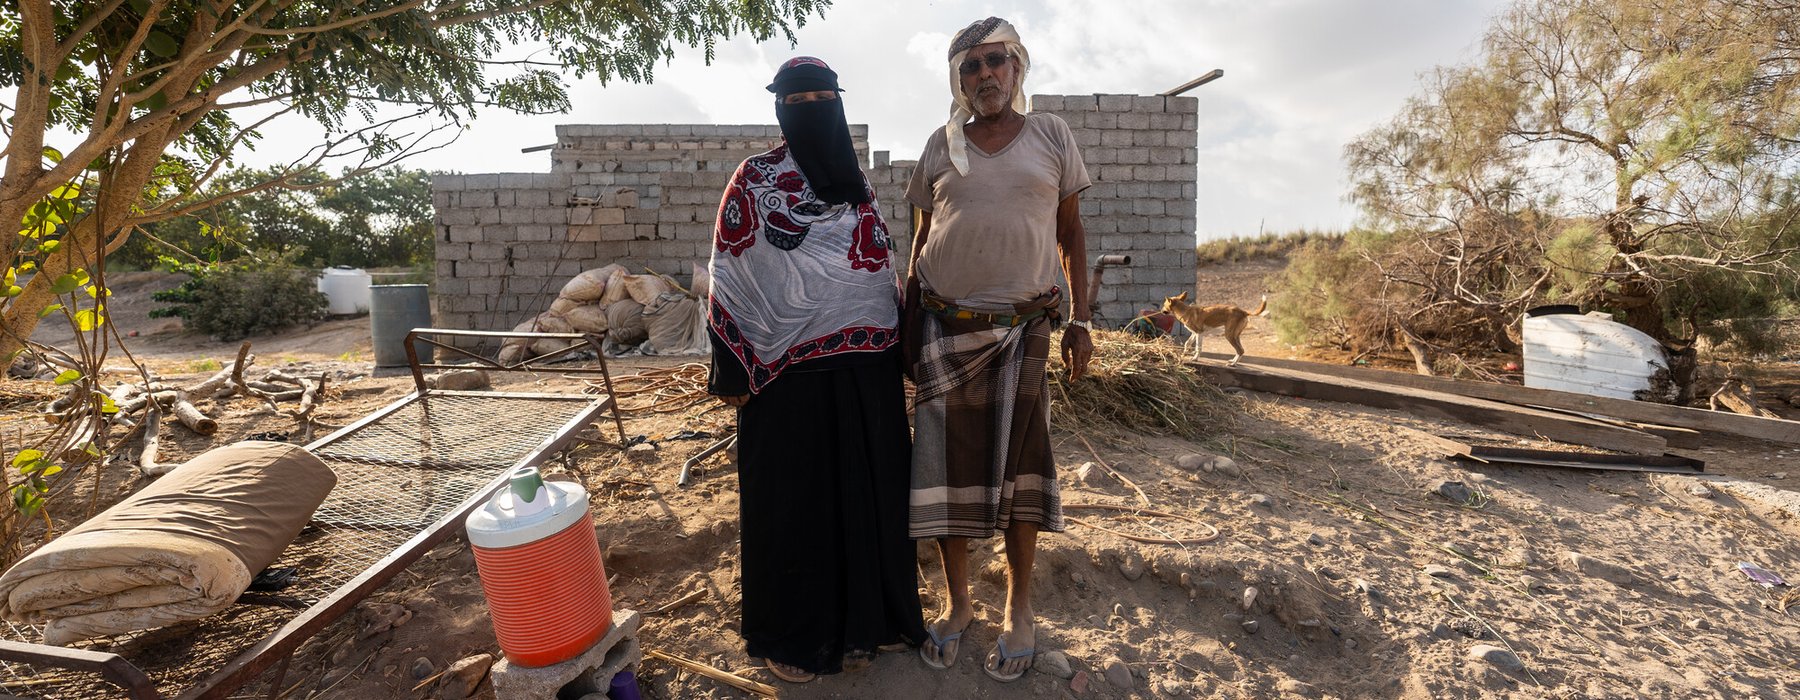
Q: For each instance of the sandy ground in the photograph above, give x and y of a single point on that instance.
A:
(1368, 584)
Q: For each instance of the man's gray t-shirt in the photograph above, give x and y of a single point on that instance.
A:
(993, 232)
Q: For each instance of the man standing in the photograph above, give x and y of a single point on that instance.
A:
(999, 191)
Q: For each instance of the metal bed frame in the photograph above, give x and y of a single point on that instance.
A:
(408, 474)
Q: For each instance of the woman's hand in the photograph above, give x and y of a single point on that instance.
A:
(736, 401)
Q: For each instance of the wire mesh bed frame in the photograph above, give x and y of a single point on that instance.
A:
(407, 476)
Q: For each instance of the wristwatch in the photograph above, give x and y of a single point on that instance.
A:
(1083, 325)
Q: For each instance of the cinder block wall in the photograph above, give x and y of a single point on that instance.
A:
(1141, 153)
(646, 195)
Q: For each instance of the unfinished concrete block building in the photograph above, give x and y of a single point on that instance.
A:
(645, 195)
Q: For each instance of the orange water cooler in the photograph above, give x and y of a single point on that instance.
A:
(540, 569)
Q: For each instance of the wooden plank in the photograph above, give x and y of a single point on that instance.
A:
(1518, 420)
(1485, 454)
(1770, 429)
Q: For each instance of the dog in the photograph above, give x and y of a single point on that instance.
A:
(1199, 319)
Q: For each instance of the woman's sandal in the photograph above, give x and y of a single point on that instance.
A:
(788, 673)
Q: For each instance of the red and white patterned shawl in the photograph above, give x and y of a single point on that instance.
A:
(794, 278)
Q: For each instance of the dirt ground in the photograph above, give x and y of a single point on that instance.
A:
(1367, 583)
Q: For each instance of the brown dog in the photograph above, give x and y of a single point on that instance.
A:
(1199, 319)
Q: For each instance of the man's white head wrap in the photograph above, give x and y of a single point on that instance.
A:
(988, 31)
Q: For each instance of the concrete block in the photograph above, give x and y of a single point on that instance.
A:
(476, 199)
(1149, 103)
(1165, 121)
(1100, 156)
(1165, 156)
(449, 183)
(487, 217)
(1114, 103)
(1184, 104)
(1101, 120)
(451, 286)
(1190, 122)
(464, 234)
(1113, 173)
(1182, 139)
(583, 233)
(618, 232)
(515, 215)
(1081, 103)
(488, 251)
(483, 182)
(1134, 120)
(549, 215)
(456, 217)
(1189, 156)
(504, 198)
(640, 216)
(1134, 156)
(1046, 103)
(1134, 190)
(1147, 207)
(1087, 138)
(1115, 138)
(1147, 137)
(1148, 242)
(607, 216)
(532, 198)
(1133, 224)
(1149, 172)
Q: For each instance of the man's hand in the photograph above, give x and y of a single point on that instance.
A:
(1077, 350)
(736, 401)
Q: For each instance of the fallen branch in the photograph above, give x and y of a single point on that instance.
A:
(726, 677)
(190, 416)
(1143, 512)
(152, 440)
(678, 602)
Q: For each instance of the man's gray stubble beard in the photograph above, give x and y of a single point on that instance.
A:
(991, 104)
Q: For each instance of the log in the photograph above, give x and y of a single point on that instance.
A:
(1770, 429)
(1738, 396)
(83, 433)
(726, 677)
(137, 403)
(152, 440)
(191, 416)
(1518, 420)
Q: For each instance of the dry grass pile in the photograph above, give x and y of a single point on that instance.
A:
(1140, 386)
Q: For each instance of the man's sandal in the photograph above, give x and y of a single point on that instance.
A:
(788, 673)
(1005, 656)
(946, 648)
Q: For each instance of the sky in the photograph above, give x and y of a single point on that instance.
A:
(1302, 77)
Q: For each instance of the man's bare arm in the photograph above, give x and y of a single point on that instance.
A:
(1071, 241)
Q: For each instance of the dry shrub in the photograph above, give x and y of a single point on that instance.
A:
(1141, 386)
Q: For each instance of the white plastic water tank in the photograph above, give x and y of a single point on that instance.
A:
(1590, 354)
(346, 290)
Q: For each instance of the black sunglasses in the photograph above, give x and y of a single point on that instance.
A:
(993, 60)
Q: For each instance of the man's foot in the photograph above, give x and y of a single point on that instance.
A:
(944, 639)
(1013, 652)
(791, 674)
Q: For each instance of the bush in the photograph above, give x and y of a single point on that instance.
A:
(1263, 246)
(244, 297)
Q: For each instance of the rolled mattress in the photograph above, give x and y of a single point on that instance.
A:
(183, 548)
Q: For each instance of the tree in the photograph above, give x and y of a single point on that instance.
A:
(1650, 133)
(154, 91)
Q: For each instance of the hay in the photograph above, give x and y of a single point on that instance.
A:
(1141, 386)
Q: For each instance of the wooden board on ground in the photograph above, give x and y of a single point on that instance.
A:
(1504, 417)
(1770, 429)
(1514, 456)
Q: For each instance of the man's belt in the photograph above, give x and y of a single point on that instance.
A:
(941, 309)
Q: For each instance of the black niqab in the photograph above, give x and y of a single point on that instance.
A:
(818, 137)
